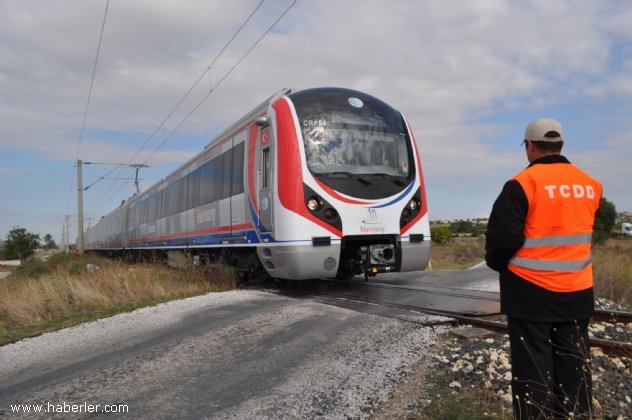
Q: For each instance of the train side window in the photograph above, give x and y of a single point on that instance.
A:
(207, 180)
(265, 168)
(182, 185)
(216, 179)
(194, 188)
(172, 203)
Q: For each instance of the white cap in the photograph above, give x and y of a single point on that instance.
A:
(544, 129)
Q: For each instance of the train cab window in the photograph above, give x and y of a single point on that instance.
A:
(352, 133)
(265, 168)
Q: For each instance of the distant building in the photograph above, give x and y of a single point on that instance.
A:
(624, 216)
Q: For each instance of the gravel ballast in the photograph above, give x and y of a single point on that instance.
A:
(474, 359)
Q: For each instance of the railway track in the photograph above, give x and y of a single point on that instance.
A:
(456, 306)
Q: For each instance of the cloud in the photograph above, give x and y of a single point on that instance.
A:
(468, 77)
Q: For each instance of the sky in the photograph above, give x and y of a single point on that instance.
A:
(153, 81)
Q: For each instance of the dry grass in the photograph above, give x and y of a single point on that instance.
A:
(41, 297)
(612, 262)
(457, 254)
(46, 296)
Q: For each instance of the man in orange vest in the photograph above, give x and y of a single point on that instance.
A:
(539, 240)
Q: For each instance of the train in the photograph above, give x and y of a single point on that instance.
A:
(323, 182)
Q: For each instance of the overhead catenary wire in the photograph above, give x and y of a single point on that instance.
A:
(87, 106)
(207, 70)
(116, 166)
(220, 81)
(105, 197)
(211, 90)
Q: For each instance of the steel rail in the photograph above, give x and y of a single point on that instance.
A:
(612, 316)
(610, 347)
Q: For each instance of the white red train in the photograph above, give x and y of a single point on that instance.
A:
(323, 182)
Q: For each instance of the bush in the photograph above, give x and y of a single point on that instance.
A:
(440, 234)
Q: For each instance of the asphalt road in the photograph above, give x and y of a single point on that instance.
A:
(232, 355)
(479, 277)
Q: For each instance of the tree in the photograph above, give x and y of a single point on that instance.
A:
(604, 221)
(49, 243)
(20, 244)
(461, 226)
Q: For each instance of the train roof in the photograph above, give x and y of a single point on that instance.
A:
(216, 141)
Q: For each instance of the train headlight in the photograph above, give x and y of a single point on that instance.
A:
(411, 210)
(313, 204)
(330, 214)
(319, 208)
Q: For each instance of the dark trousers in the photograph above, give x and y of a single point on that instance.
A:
(550, 369)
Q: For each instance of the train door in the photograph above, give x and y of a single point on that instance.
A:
(124, 231)
(265, 179)
(238, 198)
(225, 161)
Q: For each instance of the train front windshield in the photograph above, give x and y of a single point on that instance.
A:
(349, 132)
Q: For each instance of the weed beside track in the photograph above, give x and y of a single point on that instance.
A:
(69, 289)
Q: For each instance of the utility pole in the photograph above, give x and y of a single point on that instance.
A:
(66, 233)
(79, 207)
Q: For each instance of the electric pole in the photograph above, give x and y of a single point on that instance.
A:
(80, 207)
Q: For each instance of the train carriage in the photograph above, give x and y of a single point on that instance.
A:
(323, 182)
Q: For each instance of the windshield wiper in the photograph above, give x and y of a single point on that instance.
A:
(350, 175)
(396, 180)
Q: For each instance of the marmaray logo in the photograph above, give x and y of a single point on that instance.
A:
(371, 217)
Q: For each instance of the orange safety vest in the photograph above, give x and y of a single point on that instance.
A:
(556, 254)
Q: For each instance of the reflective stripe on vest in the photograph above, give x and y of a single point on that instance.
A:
(550, 265)
(554, 265)
(556, 240)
